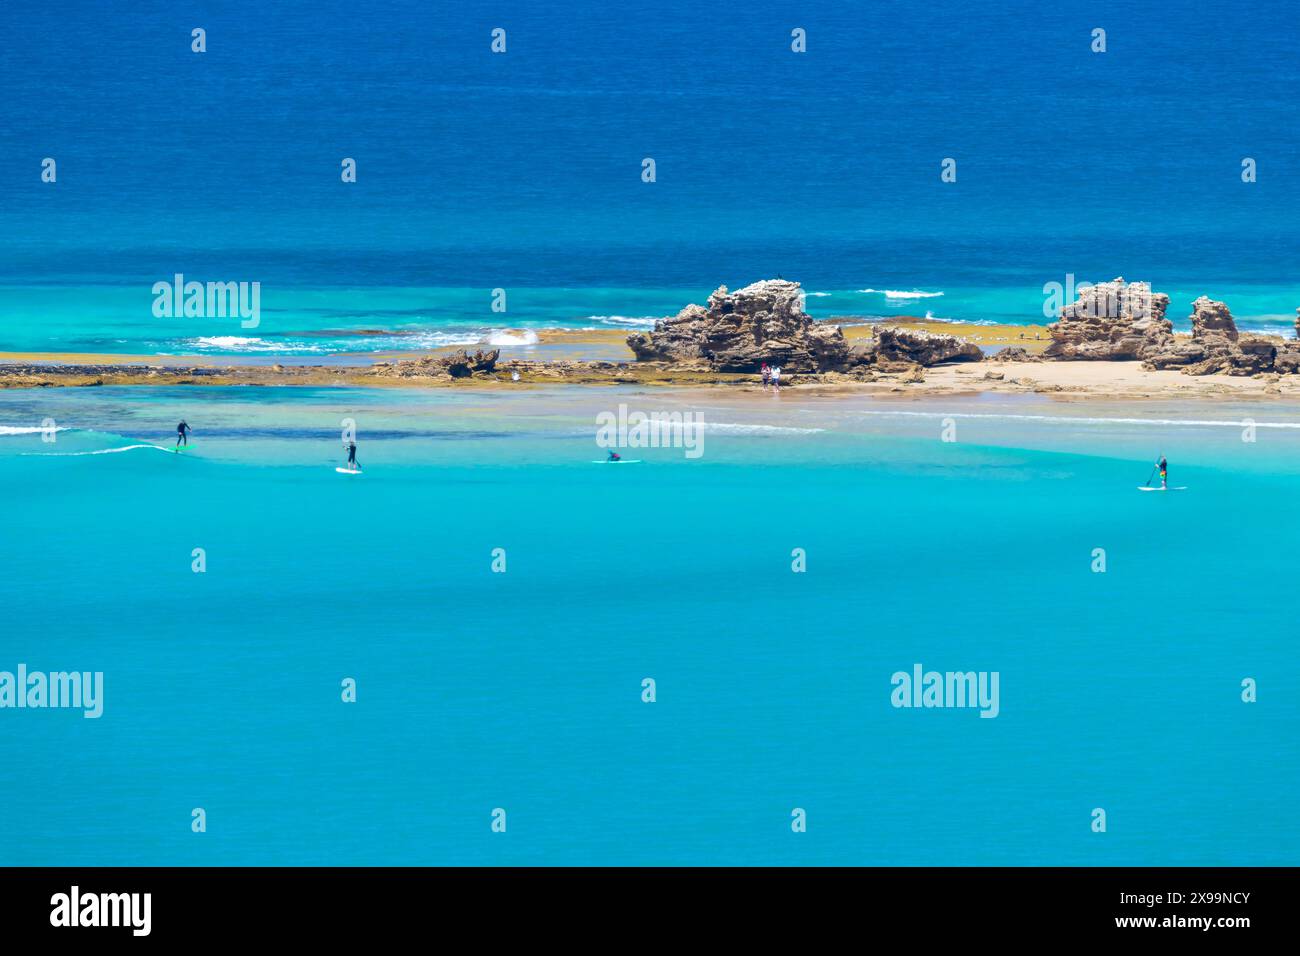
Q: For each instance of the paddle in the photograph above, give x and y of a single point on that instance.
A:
(1153, 471)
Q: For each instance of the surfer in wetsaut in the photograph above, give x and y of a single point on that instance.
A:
(1164, 472)
(182, 434)
(352, 456)
(614, 456)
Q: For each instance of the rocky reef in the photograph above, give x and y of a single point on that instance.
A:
(458, 364)
(1112, 320)
(765, 322)
(1217, 346)
(923, 348)
(739, 331)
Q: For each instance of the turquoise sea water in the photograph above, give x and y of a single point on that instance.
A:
(522, 170)
(318, 322)
(522, 690)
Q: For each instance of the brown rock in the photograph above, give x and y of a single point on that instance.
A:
(1287, 358)
(739, 331)
(923, 348)
(1211, 321)
(1111, 320)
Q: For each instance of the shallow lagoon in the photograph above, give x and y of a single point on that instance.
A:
(522, 690)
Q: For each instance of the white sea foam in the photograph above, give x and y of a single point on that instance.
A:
(30, 429)
(239, 343)
(819, 295)
(740, 428)
(901, 294)
(101, 451)
(502, 337)
(629, 321)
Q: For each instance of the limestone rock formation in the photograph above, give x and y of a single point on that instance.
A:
(1253, 354)
(739, 331)
(1217, 346)
(1112, 320)
(1211, 321)
(1012, 353)
(1286, 360)
(1212, 346)
(461, 364)
(924, 348)
(458, 364)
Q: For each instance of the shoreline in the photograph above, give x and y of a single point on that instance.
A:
(1124, 380)
(574, 345)
(601, 357)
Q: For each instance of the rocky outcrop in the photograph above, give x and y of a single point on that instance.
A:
(1112, 320)
(1286, 360)
(923, 348)
(1253, 354)
(459, 364)
(1212, 346)
(739, 331)
(1217, 346)
(1013, 353)
(1212, 322)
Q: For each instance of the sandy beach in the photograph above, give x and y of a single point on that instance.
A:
(1064, 380)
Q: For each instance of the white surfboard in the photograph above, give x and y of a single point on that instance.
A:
(348, 471)
(1179, 488)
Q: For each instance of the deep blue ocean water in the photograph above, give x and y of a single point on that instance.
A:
(522, 690)
(522, 170)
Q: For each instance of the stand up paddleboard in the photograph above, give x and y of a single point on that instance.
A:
(1179, 488)
(348, 471)
(621, 461)
(180, 448)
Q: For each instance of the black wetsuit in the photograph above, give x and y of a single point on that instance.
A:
(1164, 473)
(352, 455)
(181, 438)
